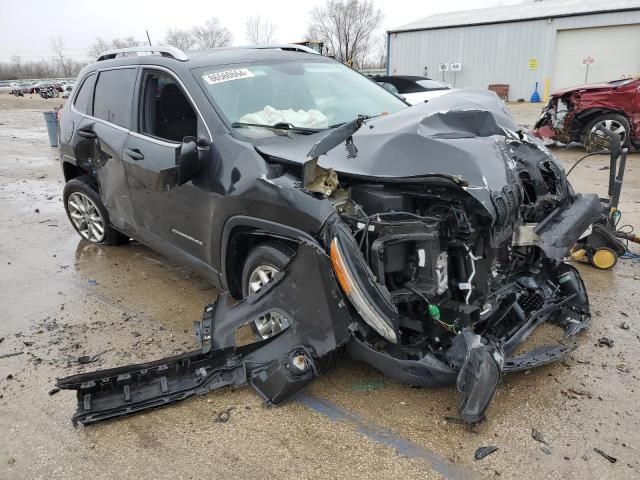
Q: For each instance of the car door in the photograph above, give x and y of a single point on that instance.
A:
(98, 139)
(176, 220)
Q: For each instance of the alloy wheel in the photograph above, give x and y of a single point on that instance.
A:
(270, 323)
(612, 125)
(86, 217)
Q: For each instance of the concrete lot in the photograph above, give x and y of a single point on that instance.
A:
(62, 298)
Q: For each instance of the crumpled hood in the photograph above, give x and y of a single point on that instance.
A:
(460, 135)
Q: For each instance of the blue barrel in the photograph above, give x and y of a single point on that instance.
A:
(52, 127)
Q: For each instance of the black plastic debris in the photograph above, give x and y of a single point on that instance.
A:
(54, 390)
(84, 359)
(624, 326)
(605, 341)
(484, 451)
(608, 457)
(537, 436)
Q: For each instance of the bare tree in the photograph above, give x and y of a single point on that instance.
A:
(212, 34)
(16, 68)
(57, 45)
(100, 45)
(346, 28)
(182, 39)
(125, 42)
(259, 31)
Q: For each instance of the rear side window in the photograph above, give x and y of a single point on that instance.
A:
(82, 103)
(112, 100)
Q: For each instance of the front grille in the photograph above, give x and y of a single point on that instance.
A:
(530, 302)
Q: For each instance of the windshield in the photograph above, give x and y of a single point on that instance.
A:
(429, 84)
(313, 95)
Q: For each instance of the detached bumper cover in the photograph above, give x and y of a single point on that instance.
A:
(276, 368)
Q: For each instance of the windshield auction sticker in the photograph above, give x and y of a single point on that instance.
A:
(219, 77)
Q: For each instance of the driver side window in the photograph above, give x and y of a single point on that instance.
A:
(165, 111)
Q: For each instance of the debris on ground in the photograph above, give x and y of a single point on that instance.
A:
(605, 341)
(367, 385)
(574, 393)
(546, 449)
(537, 436)
(84, 359)
(12, 354)
(54, 390)
(622, 368)
(456, 420)
(624, 326)
(484, 451)
(608, 457)
(224, 415)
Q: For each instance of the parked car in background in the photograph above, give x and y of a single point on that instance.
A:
(414, 89)
(574, 114)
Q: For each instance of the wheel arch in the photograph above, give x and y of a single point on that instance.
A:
(582, 119)
(71, 170)
(240, 234)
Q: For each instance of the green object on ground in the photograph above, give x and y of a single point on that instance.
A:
(367, 386)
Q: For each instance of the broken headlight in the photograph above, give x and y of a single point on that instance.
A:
(348, 280)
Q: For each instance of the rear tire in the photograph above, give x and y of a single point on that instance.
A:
(613, 121)
(87, 214)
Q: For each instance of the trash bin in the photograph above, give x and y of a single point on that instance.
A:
(52, 127)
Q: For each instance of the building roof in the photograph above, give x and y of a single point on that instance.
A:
(530, 10)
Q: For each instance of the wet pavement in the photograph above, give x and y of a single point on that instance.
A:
(62, 298)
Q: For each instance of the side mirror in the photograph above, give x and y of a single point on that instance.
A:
(191, 152)
(188, 160)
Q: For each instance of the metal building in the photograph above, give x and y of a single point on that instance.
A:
(557, 43)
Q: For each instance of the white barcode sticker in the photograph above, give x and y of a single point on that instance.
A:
(219, 77)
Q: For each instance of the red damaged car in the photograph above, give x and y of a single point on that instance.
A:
(574, 114)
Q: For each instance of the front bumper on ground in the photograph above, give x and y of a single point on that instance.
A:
(276, 368)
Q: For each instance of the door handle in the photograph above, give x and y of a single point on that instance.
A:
(134, 153)
(88, 134)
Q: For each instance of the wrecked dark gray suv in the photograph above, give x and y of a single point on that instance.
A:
(427, 241)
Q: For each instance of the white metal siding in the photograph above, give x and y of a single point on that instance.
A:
(616, 51)
(497, 53)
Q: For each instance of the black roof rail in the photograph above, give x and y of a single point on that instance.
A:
(169, 52)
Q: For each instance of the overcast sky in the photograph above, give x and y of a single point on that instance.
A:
(25, 27)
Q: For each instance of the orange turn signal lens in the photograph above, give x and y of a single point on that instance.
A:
(339, 268)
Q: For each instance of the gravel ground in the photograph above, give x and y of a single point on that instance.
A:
(63, 298)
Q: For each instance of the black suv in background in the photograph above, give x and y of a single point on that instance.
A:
(427, 240)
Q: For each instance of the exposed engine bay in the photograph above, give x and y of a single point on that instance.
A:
(433, 279)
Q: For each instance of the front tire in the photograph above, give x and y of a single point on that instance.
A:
(261, 265)
(87, 214)
(613, 121)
